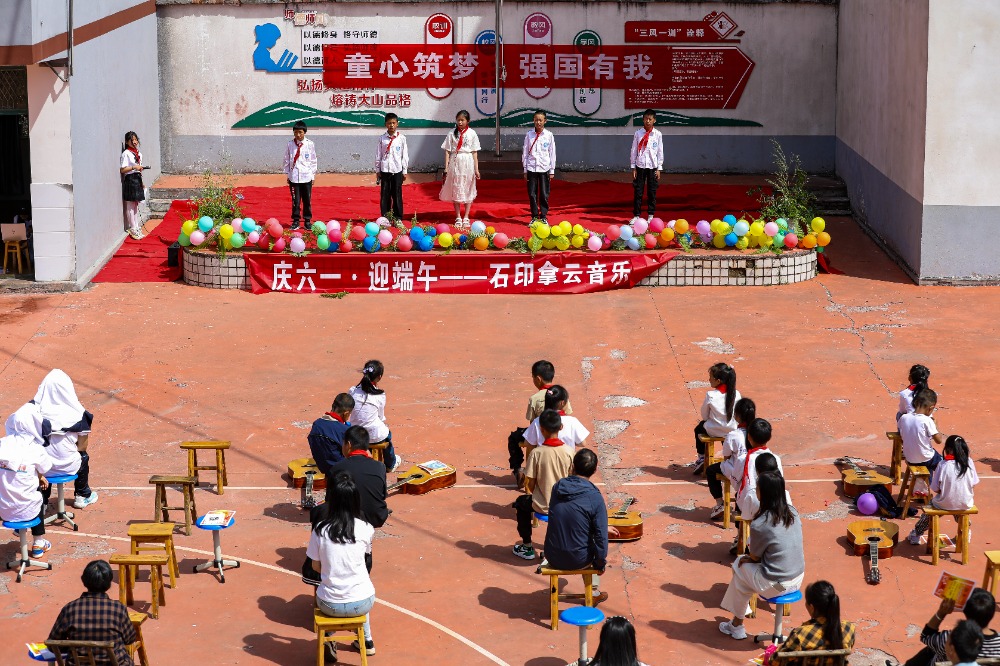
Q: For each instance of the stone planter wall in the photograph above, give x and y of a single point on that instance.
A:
(203, 269)
(703, 270)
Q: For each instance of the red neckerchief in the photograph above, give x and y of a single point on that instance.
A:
(538, 135)
(554, 441)
(546, 387)
(562, 413)
(135, 151)
(297, 151)
(948, 456)
(359, 453)
(746, 467)
(335, 416)
(389, 147)
(461, 137)
(721, 388)
(643, 141)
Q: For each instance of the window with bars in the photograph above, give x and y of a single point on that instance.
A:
(13, 90)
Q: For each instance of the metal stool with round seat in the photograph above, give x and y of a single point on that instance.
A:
(24, 561)
(781, 605)
(583, 617)
(60, 481)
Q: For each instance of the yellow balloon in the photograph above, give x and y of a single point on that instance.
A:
(743, 243)
(188, 227)
(445, 239)
(809, 241)
(490, 231)
(557, 231)
(681, 226)
(566, 227)
(226, 231)
(578, 230)
(714, 226)
(549, 243)
(667, 234)
(765, 240)
(542, 231)
(822, 239)
(818, 224)
(562, 243)
(719, 241)
(756, 229)
(577, 241)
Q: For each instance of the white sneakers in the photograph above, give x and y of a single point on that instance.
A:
(739, 633)
(83, 502)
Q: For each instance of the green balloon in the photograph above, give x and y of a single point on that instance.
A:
(184, 240)
(237, 240)
(319, 228)
(323, 242)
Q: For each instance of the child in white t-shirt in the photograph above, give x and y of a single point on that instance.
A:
(918, 382)
(734, 450)
(717, 418)
(572, 434)
(369, 412)
(920, 433)
(758, 436)
(952, 484)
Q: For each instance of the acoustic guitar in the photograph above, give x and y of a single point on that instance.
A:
(628, 523)
(425, 477)
(875, 537)
(858, 481)
(306, 475)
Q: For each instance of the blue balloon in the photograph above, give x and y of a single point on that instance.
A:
(430, 232)
(249, 224)
(259, 228)
(425, 244)
(741, 228)
(371, 229)
(626, 233)
(462, 239)
(729, 219)
(416, 233)
(632, 243)
(369, 243)
(206, 223)
(731, 239)
(334, 247)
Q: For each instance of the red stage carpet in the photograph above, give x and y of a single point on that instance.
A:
(502, 204)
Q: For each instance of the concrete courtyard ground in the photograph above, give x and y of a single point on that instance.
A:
(162, 363)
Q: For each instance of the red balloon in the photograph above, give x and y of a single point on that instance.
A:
(443, 228)
(347, 246)
(264, 242)
(650, 241)
(404, 244)
(791, 240)
(275, 230)
(614, 231)
(272, 220)
(296, 234)
(500, 240)
(358, 232)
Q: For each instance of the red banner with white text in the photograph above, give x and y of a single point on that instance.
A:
(455, 273)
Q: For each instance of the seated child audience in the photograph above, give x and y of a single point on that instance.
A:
(617, 645)
(964, 643)
(547, 464)
(920, 433)
(717, 411)
(572, 434)
(326, 439)
(68, 420)
(369, 411)
(918, 382)
(734, 450)
(758, 436)
(979, 608)
(23, 465)
(823, 631)
(543, 374)
(952, 483)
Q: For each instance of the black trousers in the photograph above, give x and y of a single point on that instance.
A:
(525, 511)
(698, 444)
(714, 484)
(392, 194)
(81, 487)
(515, 449)
(645, 179)
(538, 194)
(301, 192)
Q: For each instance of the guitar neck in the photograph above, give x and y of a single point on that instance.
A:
(403, 481)
(624, 509)
(873, 552)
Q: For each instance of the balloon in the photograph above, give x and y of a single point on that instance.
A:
(818, 224)
(640, 226)
(297, 245)
(650, 241)
(656, 225)
(667, 235)
(226, 231)
(205, 223)
(626, 233)
(346, 246)
(822, 239)
(432, 231)
(184, 240)
(606, 243)
(791, 240)
(371, 228)
(319, 228)
(741, 228)
(577, 242)
(756, 229)
(481, 242)
(867, 504)
(404, 243)
(237, 240)
(809, 241)
(500, 240)
(188, 227)
(385, 237)
(270, 221)
(296, 234)
(782, 223)
(770, 229)
(557, 230)
(731, 239)
(264, 242)
(490, 231)
(334, 247)
(594, 243)
(370, 243)
(743, 243)
(227, 243)
(357, 232)
(445, 239)
(566, 227)
(332, 225)
(671, 223)
(562, 243)
(336, 236)
(578, 230)
(549, 243)
(274, 230)
(425, 244)
(632, 243)
(323, 242)
(478, 227)
(765, 240)
(719, 241)
(614, 232)
(416, 233)
(681, 227)
(724, 228)
(707, 238)
(197, 237)
(729, 219)
(703, 227)
(442, 228)
(542, 231)
(247, 224)
(382, 221)
(279, 245)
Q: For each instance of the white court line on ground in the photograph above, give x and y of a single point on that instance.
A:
(417, 616)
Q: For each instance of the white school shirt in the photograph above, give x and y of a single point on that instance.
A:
(747, 500)
(905, 402)
(917, 431)
(539, 156)
(128, 159)
(392, 158)
(713, 413)
(573, 433)
(304, 169)
(651, 156)
(369, 413)
(470, 142)
(734, 451)
(21, 461)
(345, 577)
(953, 492)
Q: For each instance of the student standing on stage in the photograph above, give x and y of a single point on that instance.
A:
(300, 167)
(647, 163)
(132, 188)
(461, 168)
(539, 160)
(391, 161)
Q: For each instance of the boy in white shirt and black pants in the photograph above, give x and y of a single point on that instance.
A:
(647, 162)
(539, 161)
(300, 168)
(391, 161)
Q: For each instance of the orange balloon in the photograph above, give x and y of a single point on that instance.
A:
(481, 243)
(681, 226)
(822, 239)
(663, 242)
(667, 234)
(809, 241)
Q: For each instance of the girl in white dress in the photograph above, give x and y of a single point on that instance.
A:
(461, 168)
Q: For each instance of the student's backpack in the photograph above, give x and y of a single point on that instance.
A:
(887, 506)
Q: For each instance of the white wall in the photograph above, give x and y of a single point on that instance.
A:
(15, 23)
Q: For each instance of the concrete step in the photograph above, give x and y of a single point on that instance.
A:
(159, 205)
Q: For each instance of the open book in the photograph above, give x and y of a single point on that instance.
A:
(953, 587)
(218, 517)
(432, 466)
(39, 652)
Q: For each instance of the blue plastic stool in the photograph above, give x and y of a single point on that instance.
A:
(60, 481)
(24, 561)
(583, 617)
(541, 517)
(779, 611)
(219, 563)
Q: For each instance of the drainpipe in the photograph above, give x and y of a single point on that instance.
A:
(69, 36)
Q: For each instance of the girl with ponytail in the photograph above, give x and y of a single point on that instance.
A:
(369, 411)
(952, 483)
(718, 418)
(918, 377)
(823, 631)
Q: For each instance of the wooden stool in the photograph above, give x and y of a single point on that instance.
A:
(727, 498)
(743, 534)
(192, 449)
(139, 646)
(910, 476)
(128, 569)
(710, 457)
(992, 569)
(334, 625)
(378, 451)
(554, 574)
(896, 463)
(160, 510)
(961, 543)
(161, 536)
(14, 248)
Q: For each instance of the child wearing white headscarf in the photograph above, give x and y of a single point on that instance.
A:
(23, 464)
(57, 402)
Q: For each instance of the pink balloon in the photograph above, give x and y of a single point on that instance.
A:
(358, 232)
(671, 224)
(274, 230)
(272, 220)
(385, 237)
(640, 225)
(197, 237)
(297, 245)
(594, 243)
(335, 236)
(500, 240)
(279, 245)
(403, 243)
(253, 237)
(771, 229)
(347, 245)
(650, 241)
(791, 240)
(614, 231)
(656, 225)
(296, 234)
(331, 226)
(443, 228)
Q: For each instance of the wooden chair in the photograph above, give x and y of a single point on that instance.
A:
(992, 571)
(896, 463)
(192, 448)
(353, 626)
(139, 646)
(554, 596)
(710, 457)
(743, 533)
(377, 451)
(128, 569)
(983, 661)
(15, 243)
(961, 542)
(156, 537)
(727, 499)
(839, 656)
(910, 476)
(82, 653)
(161, 509)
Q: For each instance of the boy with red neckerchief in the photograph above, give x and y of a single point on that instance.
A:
(647, 163)
(326, 439)
(547, 464)
(758, 436)
(543, 374)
